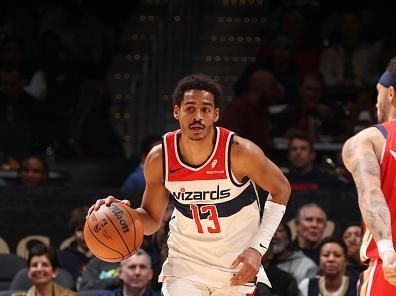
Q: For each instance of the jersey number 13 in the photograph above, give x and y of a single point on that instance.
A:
(213, 217)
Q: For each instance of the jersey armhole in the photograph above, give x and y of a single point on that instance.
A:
(384, 132)
(230, 173)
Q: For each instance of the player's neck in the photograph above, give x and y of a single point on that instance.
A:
(196, 152)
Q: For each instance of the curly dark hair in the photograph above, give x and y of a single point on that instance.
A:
(197, 81)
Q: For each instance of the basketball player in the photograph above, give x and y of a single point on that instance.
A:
(217, 237)
(370, 156)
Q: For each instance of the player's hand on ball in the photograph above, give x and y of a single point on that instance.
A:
(107, 201)
(389, 267)
(251, 260)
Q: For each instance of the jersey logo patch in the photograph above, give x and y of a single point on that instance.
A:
(174, 170)
(213, 164)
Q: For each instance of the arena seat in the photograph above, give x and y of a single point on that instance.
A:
(10, 264)
(4, 248)
(27, 242)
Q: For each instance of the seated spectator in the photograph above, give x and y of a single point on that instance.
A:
(93, 134)
(136, 181)
(304, 176)
(283, 283)
(17, 106)
(333, 281)
(352, 239)
(136, 274)
(99, 275)
(248, 113)
(311, 113)
(75, 257)
(42, 269)
(310, 225)
(346, 64)
(281, 64)
(291, 261)
(33, 171)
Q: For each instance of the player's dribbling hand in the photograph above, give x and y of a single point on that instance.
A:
(251, 260)
(389, 267)
(107, 201)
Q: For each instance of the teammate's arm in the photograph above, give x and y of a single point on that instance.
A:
(361, 155)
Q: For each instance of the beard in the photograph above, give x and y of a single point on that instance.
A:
(278, 248)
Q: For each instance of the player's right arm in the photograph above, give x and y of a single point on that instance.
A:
(361, 155)
(155, 196)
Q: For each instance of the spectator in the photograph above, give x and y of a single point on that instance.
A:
(283, 283)
(281, 64)
(42, 269)
(17, 106)
(135, 274)
(291, 261)
(310, 222)
(248, 114)
(93, 133)
(352, 239)
(346, 64)
(33, 171)
(135, 181)
(99, 275)
(304, 176)
(311, 113)
(333, 281)
(76, 255)
(295, 26)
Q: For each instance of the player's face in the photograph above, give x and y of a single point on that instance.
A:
(352, 239)
(311, 225)
(332, 259)
(196, 114)
(382, 103)
(300, 154)
(136, 273)
(40, 270)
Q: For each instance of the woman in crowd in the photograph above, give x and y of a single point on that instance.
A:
(42, 269)
(332, 281)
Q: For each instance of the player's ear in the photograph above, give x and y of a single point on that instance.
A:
(392, 95)
(217, 114)
(176, 111)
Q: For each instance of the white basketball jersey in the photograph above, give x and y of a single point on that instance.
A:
(215, 216)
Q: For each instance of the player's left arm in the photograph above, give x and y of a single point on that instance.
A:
(249, 161)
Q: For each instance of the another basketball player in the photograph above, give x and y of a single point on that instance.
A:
(371, 158)
(217, 237)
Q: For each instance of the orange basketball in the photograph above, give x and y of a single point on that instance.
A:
(113, 233)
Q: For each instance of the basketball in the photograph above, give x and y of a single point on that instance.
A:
(113, 233)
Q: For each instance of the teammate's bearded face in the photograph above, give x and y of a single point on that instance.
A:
(196, 114)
